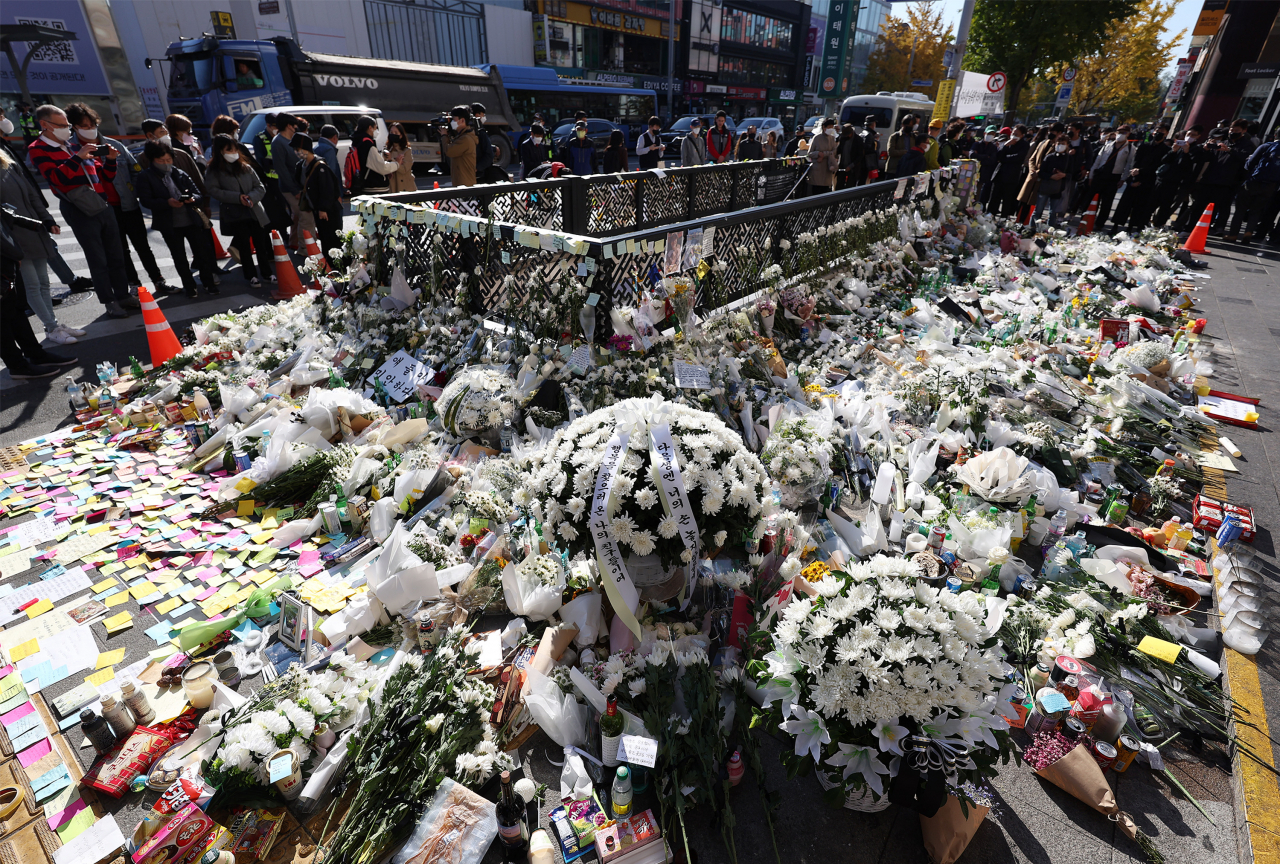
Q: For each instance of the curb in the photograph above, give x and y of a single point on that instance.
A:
(1255, 786)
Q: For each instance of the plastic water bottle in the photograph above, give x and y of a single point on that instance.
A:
(506, 436)
(76, 394)
(1057, 527)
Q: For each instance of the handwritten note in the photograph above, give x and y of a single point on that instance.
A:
(691, 376)
(281, 767)
(638, 750)
(401, 374)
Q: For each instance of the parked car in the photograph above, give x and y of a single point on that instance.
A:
(597, 130)
(764, 125)
(673, 135)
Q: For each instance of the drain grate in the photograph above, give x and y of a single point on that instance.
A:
(1241, 300)
(1251, 269)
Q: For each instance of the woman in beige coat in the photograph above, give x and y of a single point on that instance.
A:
(401, 154)
(1035, 158)
(822, 158)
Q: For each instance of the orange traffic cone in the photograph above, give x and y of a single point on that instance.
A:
(160, 338)
(222, 254)
(1195, 243)
(435, 205)
(313, 249)
(287, 281)
(1086, 223)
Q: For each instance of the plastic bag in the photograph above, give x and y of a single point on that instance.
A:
(457, 828)
(531, 597)
(584, 612)
(557, 713)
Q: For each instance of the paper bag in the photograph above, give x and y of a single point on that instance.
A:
(1079, 774)
(947, 833)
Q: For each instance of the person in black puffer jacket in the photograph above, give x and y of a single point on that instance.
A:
(174, 202)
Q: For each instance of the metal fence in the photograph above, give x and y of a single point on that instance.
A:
(508, 264)
(604, 205)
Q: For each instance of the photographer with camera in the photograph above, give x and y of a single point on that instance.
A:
(176, 213)
(460, 146)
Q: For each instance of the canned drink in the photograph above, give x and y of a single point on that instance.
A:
(1064, 666)
(1104, 754)
(1037, 723)
(937, 534)
(1072, 728)
(954, 584)
(768, 541)
(243, 462)
(329, 513)
(1126, 751)
(948, 558)
(189, 429)
(1028, 588)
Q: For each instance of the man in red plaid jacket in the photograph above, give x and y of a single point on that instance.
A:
(79, 181)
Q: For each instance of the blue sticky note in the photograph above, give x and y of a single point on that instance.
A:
(28, 738)
(160, 632)
(53, 775)
(53, 788)
(22, 724)
(67, 722)
(36, 671)
(177, 614)
(151, 598)
(1055, 701)
(105, 594)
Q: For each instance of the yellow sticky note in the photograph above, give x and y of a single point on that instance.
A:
(164, 652)
(142, 589)
(245, 485)
(40, 608)
(118, 622)
(1159, 649)
(245, 507)
(104, 585)
(110, 658)
(26, 649)
(168, 606)
(102, 676)
(262, 537)
(117, 599)
(269, 524)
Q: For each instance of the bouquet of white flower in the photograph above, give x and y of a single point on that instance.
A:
(880, 676)
(798, 456)
(476, 402)
(648, 475)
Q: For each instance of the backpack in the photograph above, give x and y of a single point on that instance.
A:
(352, 176)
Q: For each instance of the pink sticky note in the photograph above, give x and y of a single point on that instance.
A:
(8, 670)
(308, 556)
(17, 713)
(206, 593)
(66, 814)
(35, 753)
(205, 559)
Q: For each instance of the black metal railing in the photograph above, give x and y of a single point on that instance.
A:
(604, 205)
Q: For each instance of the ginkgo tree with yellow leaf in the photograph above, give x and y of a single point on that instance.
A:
(909, 49)
(1122, 77)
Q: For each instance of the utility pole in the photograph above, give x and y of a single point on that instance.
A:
(962, 41)
(911, 64)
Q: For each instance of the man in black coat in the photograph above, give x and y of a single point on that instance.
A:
(174, 202)
(484, 147)
(321, 194)
(536, 149)
(1173, 175)
(1138, 200)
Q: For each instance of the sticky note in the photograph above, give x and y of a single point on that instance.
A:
(102, 676)
(26, 649)
(281, 767)
(39, 608)
(110, 658)
(117, 599)
(142, 589)
(167, 606)
(104, 585)
(118, 622)
(245, 507)
(1160, 649)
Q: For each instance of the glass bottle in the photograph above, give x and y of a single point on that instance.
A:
(620, 795)
(506, 436)
(610, 733)
(513, 824)
(97, 731)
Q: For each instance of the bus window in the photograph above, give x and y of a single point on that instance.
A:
(856, 114)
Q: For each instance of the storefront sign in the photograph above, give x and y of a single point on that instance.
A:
(785, 94)
(745, 92)
(607, 19)
(834, 80)
(1179, 79)
(541, 40)
(641, 82)
(1211, 14)
(704, 36)
(70, 67)
(1258, 70)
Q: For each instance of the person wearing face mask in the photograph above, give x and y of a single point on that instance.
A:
(1138, 200)
(484, 145)
(374, 167)
(1218, 175)
(719, 139)
(1007, 178)
(870, 150)
(899, 143)
(121, 196)
(578, 153)
(79, 181)
(1029, 194)
(795, 146)
(649, 146)
(240, 192)
(155, 130)
(536, 149)
(326, 148)
(398, 150)
(460, 147)
(985, 151)
(183, 136)
(321, 190)
(174, 201)
(1109, 170)
(1253, 202)
(693, 149)
(849, 158)
(286, 165)
(823, 159)
(1081, 159)
(913, 162)
(1174, 175)
(749, 147)
(1054, 168)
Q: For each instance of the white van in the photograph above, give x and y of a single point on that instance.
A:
(340, 116)
(888, 109)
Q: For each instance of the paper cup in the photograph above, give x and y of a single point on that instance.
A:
(1037, 531)
(290, 787)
